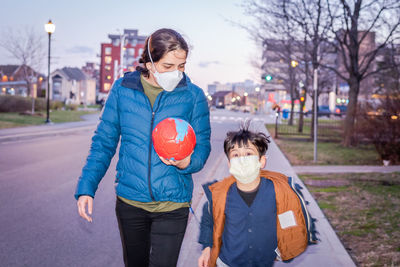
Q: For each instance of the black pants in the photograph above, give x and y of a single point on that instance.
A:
(150, 238)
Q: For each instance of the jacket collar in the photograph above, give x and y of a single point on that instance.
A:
(132, 80)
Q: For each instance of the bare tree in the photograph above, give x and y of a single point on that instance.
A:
(26, 47)
(352, 23)
(301, 28)
(276, 34)
(310, 16)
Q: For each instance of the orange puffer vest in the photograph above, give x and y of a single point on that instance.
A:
(292, 241)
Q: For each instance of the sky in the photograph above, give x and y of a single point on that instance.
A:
(220, 50)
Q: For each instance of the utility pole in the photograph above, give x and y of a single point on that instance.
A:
(315, 88)
(121, 65)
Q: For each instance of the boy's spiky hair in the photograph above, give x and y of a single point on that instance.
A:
(243, 137)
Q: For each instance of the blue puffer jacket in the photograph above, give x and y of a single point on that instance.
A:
(141, 175)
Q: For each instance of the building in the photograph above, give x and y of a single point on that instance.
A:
(72, 86)
(14, 80)
(92, 71)
(223, 99)
(120, 55)
(248, 86)
(218, 87)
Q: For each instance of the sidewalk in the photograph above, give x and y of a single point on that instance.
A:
(328, 252)
(345, 169)
(20, 133)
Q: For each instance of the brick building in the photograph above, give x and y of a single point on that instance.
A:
(131, 44)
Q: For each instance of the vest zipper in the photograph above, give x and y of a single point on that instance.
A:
(153, 113)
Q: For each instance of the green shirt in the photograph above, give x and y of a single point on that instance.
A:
(152, 92)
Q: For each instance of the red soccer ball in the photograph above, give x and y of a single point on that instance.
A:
(174, 139)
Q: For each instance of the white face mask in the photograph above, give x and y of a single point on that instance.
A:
(245, 169)
(167, 80)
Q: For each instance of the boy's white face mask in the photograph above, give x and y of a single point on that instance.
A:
(245, 169)
(167, 80)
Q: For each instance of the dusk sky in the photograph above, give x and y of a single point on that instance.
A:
(220, 51)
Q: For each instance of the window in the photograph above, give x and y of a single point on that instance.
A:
(116, 42)
(107, 50)
(130, 60)
(132, 42)
(131, 51)
(140, 52)
(107, 67)
(107, 59)
(57, 87)
(107, 86)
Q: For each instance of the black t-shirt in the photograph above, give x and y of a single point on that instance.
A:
(249, 196)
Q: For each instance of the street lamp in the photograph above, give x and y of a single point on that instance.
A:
(121, 59)
(257, 89)
(49, 28)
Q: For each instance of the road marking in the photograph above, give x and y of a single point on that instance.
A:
(220, 119)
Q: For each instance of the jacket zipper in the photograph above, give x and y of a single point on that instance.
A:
(305, 209)
(153, 113)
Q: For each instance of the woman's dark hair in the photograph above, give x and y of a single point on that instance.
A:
(243, 137)
(162, 41)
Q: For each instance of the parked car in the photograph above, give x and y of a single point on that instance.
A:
(340, 110)
(323, 110)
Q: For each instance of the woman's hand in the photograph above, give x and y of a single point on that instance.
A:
(84, 201)
(181, 164)
(204, 257)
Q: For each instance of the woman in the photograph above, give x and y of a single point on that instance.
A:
(153, 194)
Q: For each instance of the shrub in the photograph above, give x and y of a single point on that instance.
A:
(56, 105)
(381, 125)
(71, 107)
(10, 103)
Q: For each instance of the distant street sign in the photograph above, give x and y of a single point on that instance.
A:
(344, 87)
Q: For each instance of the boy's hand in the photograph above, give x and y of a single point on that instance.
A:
(181, 164)
(204, 258)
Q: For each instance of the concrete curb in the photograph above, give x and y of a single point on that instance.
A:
(345, 169)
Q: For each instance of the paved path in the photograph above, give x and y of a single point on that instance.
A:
(345, 169)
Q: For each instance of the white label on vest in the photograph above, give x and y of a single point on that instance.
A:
(287, 219)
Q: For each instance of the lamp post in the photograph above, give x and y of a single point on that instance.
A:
(49, 28)
(257, 89)
(121, 59)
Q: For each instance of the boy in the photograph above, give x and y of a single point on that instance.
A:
(254, 216)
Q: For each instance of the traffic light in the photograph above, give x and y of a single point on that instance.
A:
(302, 96)
(267, 77)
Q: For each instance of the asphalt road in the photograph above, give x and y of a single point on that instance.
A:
(39, 222)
